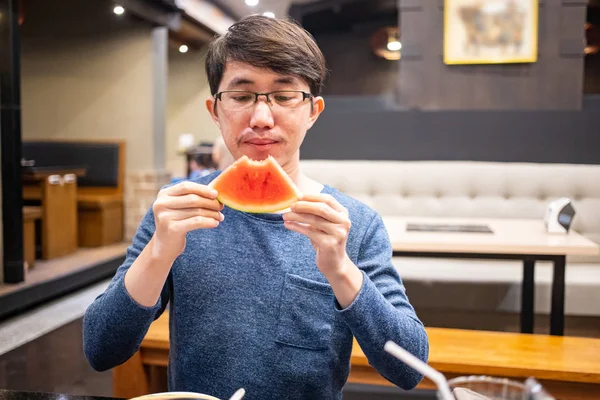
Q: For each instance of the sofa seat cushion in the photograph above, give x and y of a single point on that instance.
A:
(495, 284)
(98, 201)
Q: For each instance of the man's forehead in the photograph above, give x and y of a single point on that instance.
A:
(237, 73)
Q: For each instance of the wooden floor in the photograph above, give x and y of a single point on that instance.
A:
(54, 363)
(54, 278)
(51, 269)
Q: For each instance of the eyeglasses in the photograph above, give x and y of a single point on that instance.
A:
(239, 99)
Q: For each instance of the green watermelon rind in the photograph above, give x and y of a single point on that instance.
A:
(257, 209)
(262, 208)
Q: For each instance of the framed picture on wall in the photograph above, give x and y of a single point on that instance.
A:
(490, 31)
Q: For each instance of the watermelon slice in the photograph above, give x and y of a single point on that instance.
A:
(255, 186)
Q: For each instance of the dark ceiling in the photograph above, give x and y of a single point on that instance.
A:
(340, 16)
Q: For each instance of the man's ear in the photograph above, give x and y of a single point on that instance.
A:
(316, 109)
(212, 110)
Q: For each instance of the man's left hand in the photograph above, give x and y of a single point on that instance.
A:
(327, 224)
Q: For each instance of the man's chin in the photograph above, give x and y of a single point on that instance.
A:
(259, 153)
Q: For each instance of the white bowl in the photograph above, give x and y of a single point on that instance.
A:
(175, 396)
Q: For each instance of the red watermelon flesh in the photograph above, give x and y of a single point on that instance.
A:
(255, 186)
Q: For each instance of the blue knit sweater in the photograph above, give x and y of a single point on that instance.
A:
(249, 308)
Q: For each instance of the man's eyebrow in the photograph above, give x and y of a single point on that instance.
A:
(239, 82)
(286, 79)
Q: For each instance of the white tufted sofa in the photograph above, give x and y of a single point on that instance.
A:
(478, 189)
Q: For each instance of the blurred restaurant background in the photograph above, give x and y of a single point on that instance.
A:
(471, 109)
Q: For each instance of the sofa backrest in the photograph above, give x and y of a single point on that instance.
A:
(467, 189)
(103, 160)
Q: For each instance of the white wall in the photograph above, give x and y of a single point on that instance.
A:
(186, 111)
(87, 74)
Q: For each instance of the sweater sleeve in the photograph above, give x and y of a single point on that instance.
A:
(114, 325)
(381, 311)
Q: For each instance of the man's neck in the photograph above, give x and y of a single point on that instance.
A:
(304, 183)
(292, 168)
(309, 186)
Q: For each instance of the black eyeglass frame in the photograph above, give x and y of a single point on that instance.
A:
(305, 95)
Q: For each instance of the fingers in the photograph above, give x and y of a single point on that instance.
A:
(180, 215)
(190, 224)
(324, 198)
(188, 187)
(187, 195)
(319, 223)
(334, 213)
(321, 218)
(315, 235)
(188, 201)
(310, 224)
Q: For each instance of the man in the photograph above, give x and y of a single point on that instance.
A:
(267, 302)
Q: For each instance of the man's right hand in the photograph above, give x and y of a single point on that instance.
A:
(178, 210)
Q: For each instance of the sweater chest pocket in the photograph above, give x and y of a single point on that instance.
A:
(306, 313)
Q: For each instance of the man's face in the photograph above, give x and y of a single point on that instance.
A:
(263, 129)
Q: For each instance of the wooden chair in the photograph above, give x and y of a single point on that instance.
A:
(57, 197)
(100, 193)
(101, 209)
(100, 219)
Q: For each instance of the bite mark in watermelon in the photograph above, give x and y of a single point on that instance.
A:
(255, 186)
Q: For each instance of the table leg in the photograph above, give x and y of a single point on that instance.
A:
(59, 217)
(528, 296)
(557, 312)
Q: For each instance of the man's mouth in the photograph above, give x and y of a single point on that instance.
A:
(261, 142)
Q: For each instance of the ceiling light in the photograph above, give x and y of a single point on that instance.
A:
(269, 14)
(118, 10)
(183, 48)
(252, 2)
(394, 46)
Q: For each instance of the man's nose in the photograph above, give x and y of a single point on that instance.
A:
(262, 114)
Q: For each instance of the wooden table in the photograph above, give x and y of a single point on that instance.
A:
(512, 239)
(57, 194)
(37, 174)
(567, 366)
